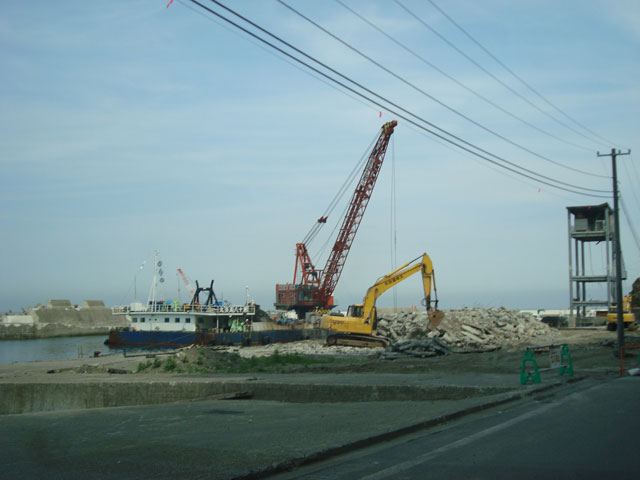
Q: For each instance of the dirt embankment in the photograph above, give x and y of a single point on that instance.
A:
(468, 340)
(591, 351)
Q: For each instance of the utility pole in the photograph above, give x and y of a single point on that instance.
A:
(617, 249)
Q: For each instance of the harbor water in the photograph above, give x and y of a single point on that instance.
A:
(53, 348)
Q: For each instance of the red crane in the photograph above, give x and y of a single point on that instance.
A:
(316, 288)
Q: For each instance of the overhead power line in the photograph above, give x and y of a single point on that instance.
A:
(630, 184)
(432, 98)
(265, 48)
(466, 146)
(439, 102)
(469, 89)
(512, 90)
(518, 77)
(634, 181)
(341, 192)
(631, 226)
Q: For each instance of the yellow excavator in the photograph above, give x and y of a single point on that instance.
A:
(359, 327)
(628, 317)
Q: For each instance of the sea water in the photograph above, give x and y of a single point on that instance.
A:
(53, 348)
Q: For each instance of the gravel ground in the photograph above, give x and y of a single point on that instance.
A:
(591, 350)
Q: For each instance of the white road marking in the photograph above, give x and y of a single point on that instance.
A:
(400, 467)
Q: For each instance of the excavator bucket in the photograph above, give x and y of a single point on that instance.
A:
(435, 317)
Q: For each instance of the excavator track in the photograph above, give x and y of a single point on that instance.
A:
(354, 340)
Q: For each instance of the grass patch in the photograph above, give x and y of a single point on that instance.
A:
(276, 363)
(210, 361)
(170, 365)
(142, 366)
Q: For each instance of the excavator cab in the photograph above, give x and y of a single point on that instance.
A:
(357, 311)
(628, 318)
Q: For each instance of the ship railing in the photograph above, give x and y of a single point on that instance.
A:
(230, 309)
(121, 309)
(188, 308)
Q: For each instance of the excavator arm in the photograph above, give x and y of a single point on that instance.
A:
(392, 279)
(359, 326)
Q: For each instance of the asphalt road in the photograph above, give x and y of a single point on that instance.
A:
(581, 431)
(212, 439)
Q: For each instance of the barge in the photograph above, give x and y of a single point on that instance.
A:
(181, 325)
(170, 323)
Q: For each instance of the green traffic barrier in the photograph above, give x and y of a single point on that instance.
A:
(559, 358)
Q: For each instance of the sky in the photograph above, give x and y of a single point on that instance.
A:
(128, 127)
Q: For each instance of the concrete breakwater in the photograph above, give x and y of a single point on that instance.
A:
(59, 318)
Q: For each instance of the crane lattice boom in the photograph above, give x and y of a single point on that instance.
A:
(317, 286)
(351, 222)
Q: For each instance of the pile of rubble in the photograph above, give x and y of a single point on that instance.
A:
(302, 347)
(464, 330)
(460, 331)
(429, 347)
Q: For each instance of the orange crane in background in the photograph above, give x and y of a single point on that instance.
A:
(186, 281)
(315, 288)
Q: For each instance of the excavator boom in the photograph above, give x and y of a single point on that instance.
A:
(360, 323)
(400, 274)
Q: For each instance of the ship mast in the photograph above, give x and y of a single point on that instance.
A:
(157, 276)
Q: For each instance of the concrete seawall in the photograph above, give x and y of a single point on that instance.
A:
(60, 319)
(47, 330)
(71, 394)
(110, 381)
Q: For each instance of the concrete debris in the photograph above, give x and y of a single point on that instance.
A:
(428, 347)
(463, 330)
(303, 347)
